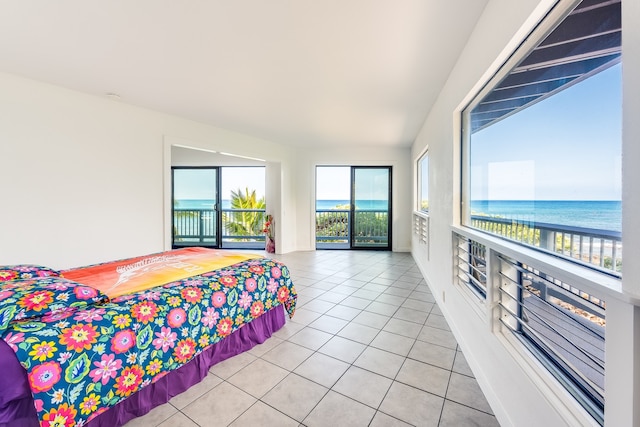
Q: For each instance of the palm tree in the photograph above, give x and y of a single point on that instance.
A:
(245, 223)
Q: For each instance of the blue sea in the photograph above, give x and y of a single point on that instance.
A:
(200, 204)
(597, 214)
(320, 204)
(378, 205)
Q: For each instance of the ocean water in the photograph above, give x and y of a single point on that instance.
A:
(360, 204)
(199, 204)
(597, 214)
(320, 204)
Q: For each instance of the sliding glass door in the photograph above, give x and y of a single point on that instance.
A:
(219, 206)
(353, 207)
(195, 206)
(371, 207)
(242, 192)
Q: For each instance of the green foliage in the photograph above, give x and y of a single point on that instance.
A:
(608, 264)
(245, 223)
(371, 225)
(561, 244)
(335, 224)
(515, 231)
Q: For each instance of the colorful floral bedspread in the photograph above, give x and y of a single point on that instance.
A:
(81, 362)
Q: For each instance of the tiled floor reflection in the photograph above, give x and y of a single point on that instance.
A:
(367, 346)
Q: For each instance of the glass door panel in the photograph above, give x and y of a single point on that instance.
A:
(195, 207)
(243, 207)
(371, 207)
(333, 207)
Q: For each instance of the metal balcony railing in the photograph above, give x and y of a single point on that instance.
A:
(333, 228)
(200, 226)
(598, 248)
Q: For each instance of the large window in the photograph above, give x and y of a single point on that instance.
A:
(353, 207)
(542, 149)
(541, 165)
(423, 183)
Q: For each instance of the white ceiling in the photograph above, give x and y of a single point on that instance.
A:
(299, 72)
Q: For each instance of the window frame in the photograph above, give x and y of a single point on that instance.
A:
(419, 176)
(546, 25)
(595, 282)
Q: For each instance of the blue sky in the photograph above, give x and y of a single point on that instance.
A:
(197, 184)
(334, 183)
(567, 147)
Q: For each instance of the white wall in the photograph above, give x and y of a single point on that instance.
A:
(623, 336)
(518, 398)
(85, 179)
(82, 177)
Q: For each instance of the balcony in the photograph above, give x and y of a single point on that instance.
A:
(241, 228)
(600, 249)
(334, 229)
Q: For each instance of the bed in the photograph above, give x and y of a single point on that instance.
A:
(102, 344)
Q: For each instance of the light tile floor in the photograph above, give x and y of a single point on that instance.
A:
(367, 346)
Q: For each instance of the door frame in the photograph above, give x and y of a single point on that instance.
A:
(348, 245)
(217, 206)
(353, 209)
